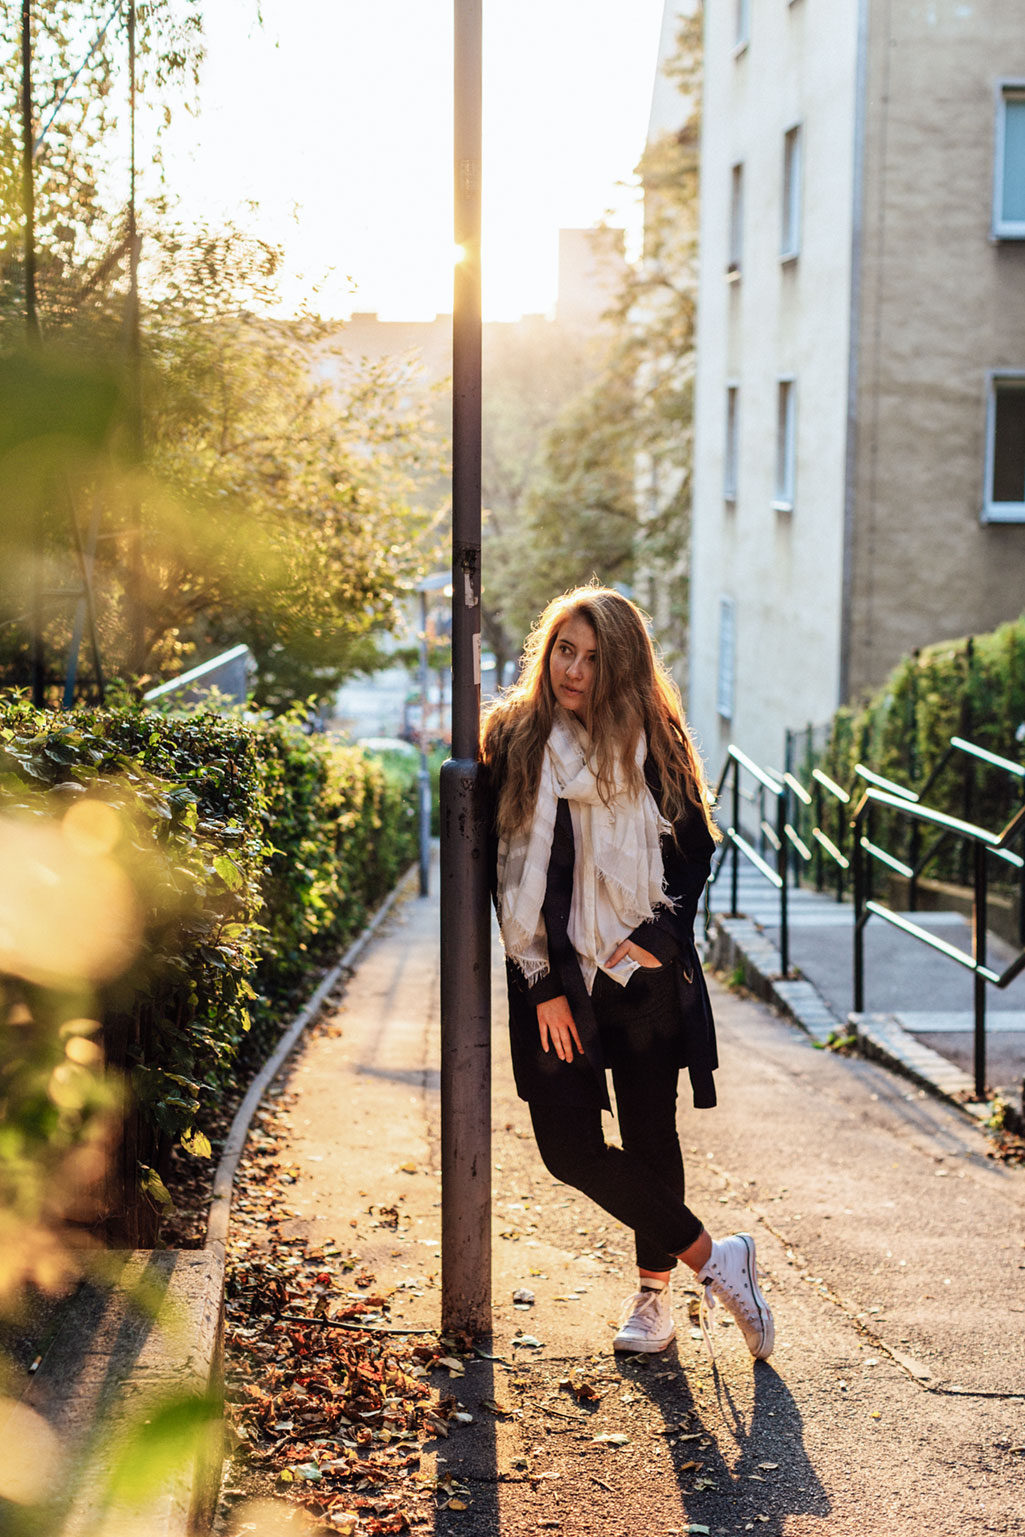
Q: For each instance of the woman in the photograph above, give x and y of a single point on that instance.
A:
(602, 845)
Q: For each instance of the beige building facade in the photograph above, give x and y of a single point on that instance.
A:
(859, 466)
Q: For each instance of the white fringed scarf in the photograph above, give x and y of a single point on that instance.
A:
(618, 876)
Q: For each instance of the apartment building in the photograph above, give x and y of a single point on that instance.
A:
(859, 474)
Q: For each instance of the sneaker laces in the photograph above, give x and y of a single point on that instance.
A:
(706, 1307)
(644, 1309)
(709, 1303)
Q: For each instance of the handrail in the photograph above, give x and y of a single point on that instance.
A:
(748, 763)
(756, 859)
(927, 814)
(797, 787)
(992, 758)
(995, 842)
(855, 819)
(831, 785)
(777, 836)
(920, 860)
(983, 843)
(890, 785)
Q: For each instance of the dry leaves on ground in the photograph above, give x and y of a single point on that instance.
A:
(331, 1417)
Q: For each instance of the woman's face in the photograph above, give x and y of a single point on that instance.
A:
(572, 663)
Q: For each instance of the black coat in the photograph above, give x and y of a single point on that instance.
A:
(669, 936)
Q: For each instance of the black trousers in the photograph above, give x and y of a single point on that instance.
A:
(641, 1185)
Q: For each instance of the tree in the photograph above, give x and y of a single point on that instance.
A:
(276, 492)
(532, 370)
(657, 318)
(299, 468)
(248, 484)
(577, 514)
(606, 490)
(80, 93)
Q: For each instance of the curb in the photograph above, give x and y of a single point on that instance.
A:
(739, 942)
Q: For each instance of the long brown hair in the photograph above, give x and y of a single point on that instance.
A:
(631, 692)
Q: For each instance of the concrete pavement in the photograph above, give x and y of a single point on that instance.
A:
(891, 1246)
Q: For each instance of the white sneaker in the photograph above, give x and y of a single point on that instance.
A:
(647, 1322)
(731, 1277)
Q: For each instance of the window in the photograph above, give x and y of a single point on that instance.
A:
(736, 246)
(742, 25)
(790, 236)
(1005, 450)
(1009, 176)
(724, 688)
(732, 445)
(786, 445)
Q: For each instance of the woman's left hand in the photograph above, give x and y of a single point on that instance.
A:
(636, 953)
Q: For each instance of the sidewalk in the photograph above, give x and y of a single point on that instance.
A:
(890, 1245)
(918, 1003)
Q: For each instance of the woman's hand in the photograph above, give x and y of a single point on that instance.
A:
(556, 1023)
(636, 953)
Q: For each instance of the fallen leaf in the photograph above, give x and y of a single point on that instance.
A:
(768, 1467)
(530, 1341)
(613, 1438)
(455, 1368)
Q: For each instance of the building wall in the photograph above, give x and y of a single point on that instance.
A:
(941, 304)
(782, 570)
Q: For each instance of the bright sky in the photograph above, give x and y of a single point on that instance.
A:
(335, 118)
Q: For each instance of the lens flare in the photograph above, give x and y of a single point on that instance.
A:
(67, 913)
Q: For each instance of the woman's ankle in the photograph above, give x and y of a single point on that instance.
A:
(697, 1254)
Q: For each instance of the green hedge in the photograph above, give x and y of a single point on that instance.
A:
(975, 688)
(254, 850)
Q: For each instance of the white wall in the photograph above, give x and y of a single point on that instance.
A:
(782, 570)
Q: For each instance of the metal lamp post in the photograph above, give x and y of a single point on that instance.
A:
(465, 919)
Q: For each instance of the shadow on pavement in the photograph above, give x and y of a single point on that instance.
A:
(467, 1465)
(428, 1079)
(751, 1453)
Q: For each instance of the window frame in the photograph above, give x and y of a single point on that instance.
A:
(792, 198)
(731, 443)
(741, 26)
(1004, 229)
(735, 233)
(998, 512)
(726, 660)
(785, 471)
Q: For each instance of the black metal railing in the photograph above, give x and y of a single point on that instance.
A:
(773, 832)
(982, 845)
(782, 827)
(920, 858)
